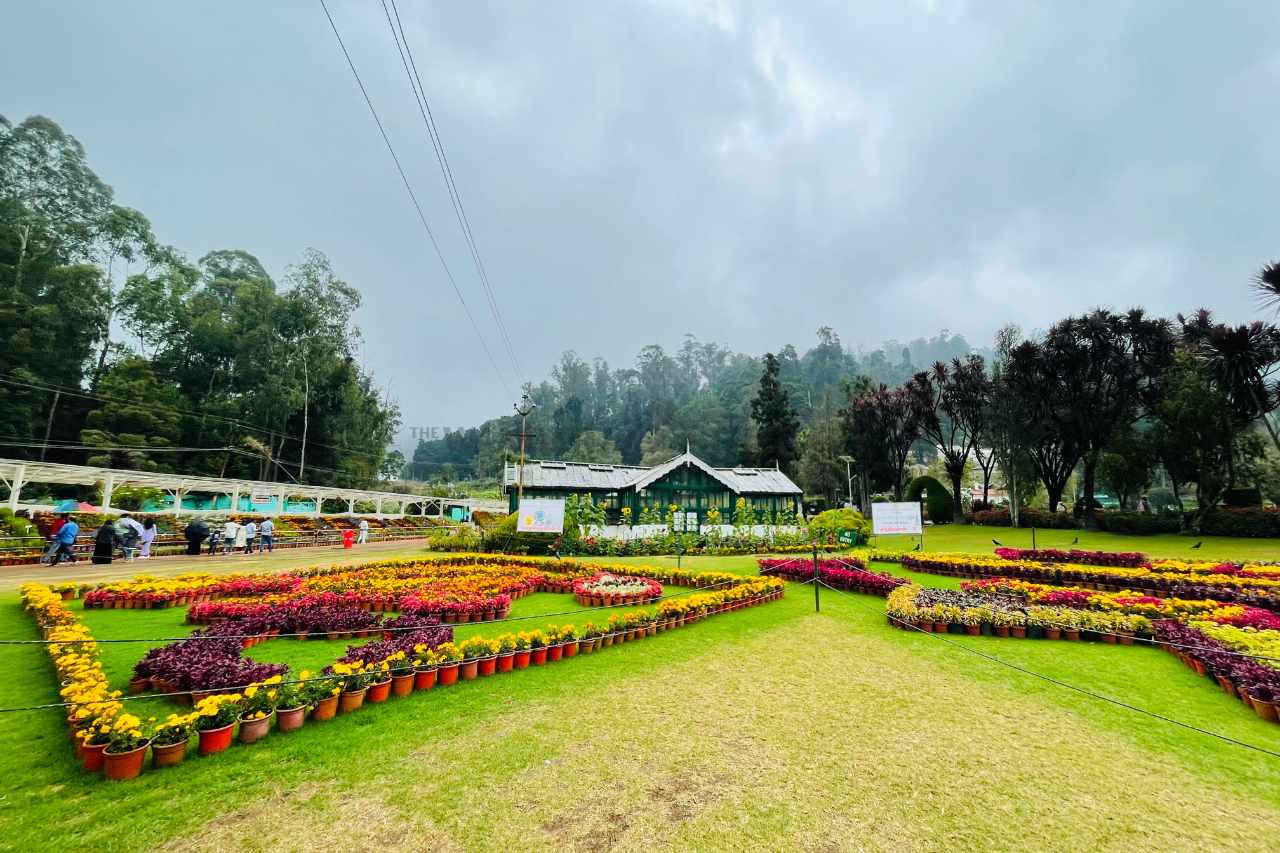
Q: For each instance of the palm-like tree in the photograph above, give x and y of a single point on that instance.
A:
(1241, 361)
(1267, 284)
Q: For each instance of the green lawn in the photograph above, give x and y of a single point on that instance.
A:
(770, 728)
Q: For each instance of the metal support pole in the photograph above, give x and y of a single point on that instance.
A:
(817, 602)
(1033, 537)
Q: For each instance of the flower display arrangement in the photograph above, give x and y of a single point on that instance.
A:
(1088, 558)
(607, 589)
(1256, 683)
(415, 653)
(845, 573)
(1256, 586)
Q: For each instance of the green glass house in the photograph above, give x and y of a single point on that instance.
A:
(686, 481)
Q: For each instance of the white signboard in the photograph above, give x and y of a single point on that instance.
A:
(890, 518)
(541, 515)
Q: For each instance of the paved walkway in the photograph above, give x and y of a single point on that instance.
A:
(82, 570)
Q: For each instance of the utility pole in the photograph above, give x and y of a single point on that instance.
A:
(306, 404)
(48, 425)
(524, 408)
(848, 475)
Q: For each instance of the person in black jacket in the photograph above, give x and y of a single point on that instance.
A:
(104, 543)
(196, 532)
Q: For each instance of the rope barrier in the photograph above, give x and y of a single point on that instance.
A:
(1081, 690)
(140, 696)
(693, 591)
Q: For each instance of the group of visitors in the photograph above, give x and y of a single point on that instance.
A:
(231, 536)
(126, 534)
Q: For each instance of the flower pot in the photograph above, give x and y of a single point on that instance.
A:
(1002, 630)
(125, 765)
(91, 756)
(1053, 633)
(587, 646)
(169, 755)
(448, 674)
(606, 640)
(571, 648)
(538, 656)
(351, 700)
(213, 741)
(1019, 631)
(379, 692)
(506, 661)
(289, 719)
(424, 679)
(1071, 634)
(489, 665)
(973, 630)
(325, 708)
(469, 669)
(1266, 710)
(1198, 666)
(252, 731)
(1226, 685)
(522, 659)
(555, 652)
(402, 685)
(1109, 639)
(940, 627)
(139, 685)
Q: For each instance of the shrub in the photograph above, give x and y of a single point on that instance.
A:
(825, 525)
(938, 503)
(1136, 522)
(1027, 517)
(1243, 497)
(504, 537)
(1252, 522)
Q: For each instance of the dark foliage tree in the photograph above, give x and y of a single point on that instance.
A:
(1242, 362)
(775, 420)
(953, 404)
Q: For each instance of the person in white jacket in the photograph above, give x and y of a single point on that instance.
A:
(364, 532)
(229, 531)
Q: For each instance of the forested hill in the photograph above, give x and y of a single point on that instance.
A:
(701, 393)
(122, 352)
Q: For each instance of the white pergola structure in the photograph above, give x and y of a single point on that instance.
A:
(16, 473)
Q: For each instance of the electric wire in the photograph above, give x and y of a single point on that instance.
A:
(404, 178)
(446, 171)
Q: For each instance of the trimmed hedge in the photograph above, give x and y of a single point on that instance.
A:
(1028, 516)
(939, 503)
(1136, 522)
(1253, 522)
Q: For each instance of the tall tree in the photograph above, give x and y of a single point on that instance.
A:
(820, 471)
(776, 422)
(888, 420)
(953, 404)
(592, 446)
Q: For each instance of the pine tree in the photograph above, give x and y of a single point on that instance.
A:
(776, 422)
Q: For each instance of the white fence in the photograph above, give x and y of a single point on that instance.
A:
(642, 531)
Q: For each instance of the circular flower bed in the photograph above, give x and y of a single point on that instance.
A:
(606, 589)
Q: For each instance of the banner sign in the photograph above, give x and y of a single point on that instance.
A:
(890, 518)
(541, 515)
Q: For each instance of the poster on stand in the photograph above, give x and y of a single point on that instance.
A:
(889, 519)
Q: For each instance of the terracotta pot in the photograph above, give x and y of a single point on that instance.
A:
(555, 652)
(973, 630)
(139, 685)
(1266, 710)
(448, 674)
(351, 700)
(939, 627)
(290, 719)
(1198, 666)
(571, 648)
(469, 669)
(631, 634)
(1002, 630)
(489, 665)
(91, 756)
(1019, 631)
(379, 692)
(538, 656)
(402, 685)
(587, 646)
(424, 679)
(252, 731)
(506, 661)
(1226, 685)
(125, 765)
(325, 708)
(213, 741)
(1126, 639)
(1053, 633)
(606, 640)
(1109, 639)
(925, 625)
(522, 659)
(167, 756)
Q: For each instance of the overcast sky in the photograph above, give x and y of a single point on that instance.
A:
(745, 172)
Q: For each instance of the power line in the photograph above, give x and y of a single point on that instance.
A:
(413, 197)
(446, 171)
(77, 392)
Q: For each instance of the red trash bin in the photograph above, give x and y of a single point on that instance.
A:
(348, 538)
